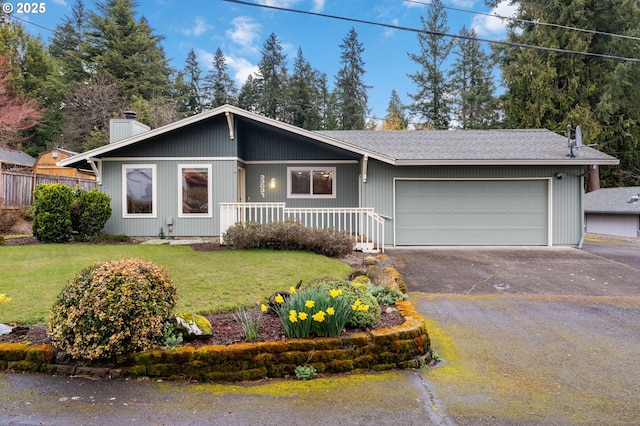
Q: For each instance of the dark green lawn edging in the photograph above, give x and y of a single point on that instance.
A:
(403, 346)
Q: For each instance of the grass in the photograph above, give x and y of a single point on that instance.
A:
(207, 281)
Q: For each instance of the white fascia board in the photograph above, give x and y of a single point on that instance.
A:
(581, 162)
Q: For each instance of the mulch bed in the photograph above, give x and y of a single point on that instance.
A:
(226, 329)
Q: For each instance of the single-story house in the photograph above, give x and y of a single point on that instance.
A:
(614, 211)
(199, 175)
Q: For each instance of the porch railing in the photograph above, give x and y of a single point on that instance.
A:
(366, 227)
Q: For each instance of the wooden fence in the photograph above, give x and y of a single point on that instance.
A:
(16, 188)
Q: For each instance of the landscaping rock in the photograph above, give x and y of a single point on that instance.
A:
(5, 329)
(193, 325)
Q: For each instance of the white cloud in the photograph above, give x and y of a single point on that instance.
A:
(390, 31)
(242, 67)
(60, 2)
(318, 5)
(239, 68)
(200, 27)
(245, 32)
(467, 4)
(490, 25)
(416, 3)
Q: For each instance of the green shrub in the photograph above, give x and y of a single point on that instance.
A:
(90, 211)
(366, 312)
(288, 235)
(305, 372)
(113, 308)
(52, 217)
(386, 295)
(2, 241)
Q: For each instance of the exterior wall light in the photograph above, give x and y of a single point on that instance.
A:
(272, 183)
(561, 175)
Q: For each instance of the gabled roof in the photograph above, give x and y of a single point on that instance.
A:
(612, 200)
(441, 147)
(19, 158)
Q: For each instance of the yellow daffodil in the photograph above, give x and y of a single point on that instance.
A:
(292, 290)
(302, 316)
(363, 307)
(4, 298)
(293, 317)
(263, 307)
(335, 293)
(356, 304)
(330, 311)
(309, 304)
(279, 298)
(319, 317)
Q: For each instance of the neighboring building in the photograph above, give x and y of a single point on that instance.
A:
(46, 164)
(11, 159)
(614, 211)
(462, 187)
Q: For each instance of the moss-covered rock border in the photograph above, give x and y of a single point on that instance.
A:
(403, 346)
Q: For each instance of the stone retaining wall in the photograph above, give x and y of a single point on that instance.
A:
(403, 346)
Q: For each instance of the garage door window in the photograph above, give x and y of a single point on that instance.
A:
(311, 182)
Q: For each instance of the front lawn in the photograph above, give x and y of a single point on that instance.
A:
(207, 281)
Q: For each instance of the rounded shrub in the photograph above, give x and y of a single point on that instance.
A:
(366, 312)
(52, 217)
(89, 213)
(113, 308)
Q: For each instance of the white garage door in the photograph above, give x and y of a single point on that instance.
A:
(471, 212)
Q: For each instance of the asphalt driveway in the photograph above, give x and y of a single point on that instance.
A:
(530, 335)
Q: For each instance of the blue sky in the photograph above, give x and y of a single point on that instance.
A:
(240, 31)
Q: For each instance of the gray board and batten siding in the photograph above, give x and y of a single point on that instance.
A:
(563, 200)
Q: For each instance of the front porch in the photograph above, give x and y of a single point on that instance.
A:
(366, 227)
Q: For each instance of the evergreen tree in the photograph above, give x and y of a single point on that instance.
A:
(126, 50)
(219, 88)
(396, 118)
(472, 84)
(249, 95)
(329, 105)
(271, 79)
(67, 44)
(351, 92)
(553, 90)
(193, 103)
(431, 101)
(304, 108)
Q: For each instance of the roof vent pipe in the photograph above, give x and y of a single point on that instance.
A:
(130, 115)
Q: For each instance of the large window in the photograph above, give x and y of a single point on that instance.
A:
(195, 190)
(311, 182)
(139, 190)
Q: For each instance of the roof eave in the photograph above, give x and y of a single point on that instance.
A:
(508, 162)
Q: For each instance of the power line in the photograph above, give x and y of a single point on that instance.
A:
(456, 36)
(527, 21)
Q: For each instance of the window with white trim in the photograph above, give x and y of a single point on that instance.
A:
(194, 193)
(139, 192)
(311, 182)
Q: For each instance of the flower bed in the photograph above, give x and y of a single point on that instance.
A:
(403, 346)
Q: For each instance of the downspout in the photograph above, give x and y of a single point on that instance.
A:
(582, 222)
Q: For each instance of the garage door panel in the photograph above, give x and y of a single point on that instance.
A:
(471, 212)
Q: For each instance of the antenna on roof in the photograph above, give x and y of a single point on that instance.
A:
(575, 143)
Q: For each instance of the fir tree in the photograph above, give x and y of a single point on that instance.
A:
(396, 118)
(472, 84)
(219, 88)
(304, 108)
(271, 79)
(431, 102)
(193, 103)
(351, 92)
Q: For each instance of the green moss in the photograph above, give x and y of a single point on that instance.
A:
(340, 366)
(138, 370)
(13, 351)
(201, 322)
(163, 370)
(39, 354)
(23, 365)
